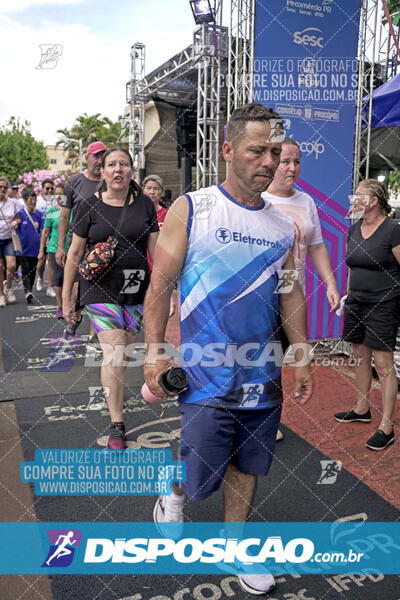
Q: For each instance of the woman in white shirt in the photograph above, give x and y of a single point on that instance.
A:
(9, 220)
(301, 207)
(308, 237)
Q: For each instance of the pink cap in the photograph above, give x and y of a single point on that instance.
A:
(95, 148)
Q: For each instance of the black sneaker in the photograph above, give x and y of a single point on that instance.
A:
(350, 416)
(29, 297)
(380, 440)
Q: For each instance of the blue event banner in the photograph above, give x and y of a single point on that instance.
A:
(305, 68)
(204, 548)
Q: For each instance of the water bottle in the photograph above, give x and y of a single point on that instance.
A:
(173, 381)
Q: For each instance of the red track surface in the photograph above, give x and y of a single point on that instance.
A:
(314, 422)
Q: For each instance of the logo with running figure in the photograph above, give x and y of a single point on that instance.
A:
(251, 394)
(97, 397)
(204, 205)
(287, 277)
(50, 54)
(63, 543)
(133, 280)
(223, 235)
(330, 471)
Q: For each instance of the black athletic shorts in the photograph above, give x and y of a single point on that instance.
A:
(373, 324)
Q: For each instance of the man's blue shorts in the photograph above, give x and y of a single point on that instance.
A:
(212, 438)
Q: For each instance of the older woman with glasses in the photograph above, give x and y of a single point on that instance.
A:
(371, 310)
(153, 187)
(9, 221)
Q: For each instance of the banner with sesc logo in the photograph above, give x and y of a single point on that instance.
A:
(305, 68)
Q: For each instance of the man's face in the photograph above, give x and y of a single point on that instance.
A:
(288, 170)
(47, 189)
(253, 160)
(94, 164)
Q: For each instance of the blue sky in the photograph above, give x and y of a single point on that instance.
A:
(91, 73)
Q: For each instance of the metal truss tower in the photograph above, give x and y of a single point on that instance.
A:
(136, 99)
(209, 49)
(377, 56)
(240, 79)
(217, 43)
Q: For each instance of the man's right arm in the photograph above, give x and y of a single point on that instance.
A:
(62, 234)
(169, 257)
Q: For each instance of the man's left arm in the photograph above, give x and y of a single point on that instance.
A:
(294, 321)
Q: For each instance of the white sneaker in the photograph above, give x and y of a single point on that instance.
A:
(257, 584)
(10, 296)
(50, 292)
(3, 301)
(261, 583)
(93, 345)
(39, 284)
(169, 509)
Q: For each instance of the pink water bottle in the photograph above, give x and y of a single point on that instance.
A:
(173, 381)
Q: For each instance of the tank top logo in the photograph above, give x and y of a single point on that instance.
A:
(223, 235)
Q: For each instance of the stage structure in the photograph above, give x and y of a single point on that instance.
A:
(378, 61)
(215, 73)
(136, 101)
(209, 49)
(171, 81)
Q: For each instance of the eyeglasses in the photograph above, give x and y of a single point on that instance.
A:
(48, 189)
(3, 187)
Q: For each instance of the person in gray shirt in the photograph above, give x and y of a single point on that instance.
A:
(79, 187)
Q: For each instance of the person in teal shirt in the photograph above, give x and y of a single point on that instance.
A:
(50, 233)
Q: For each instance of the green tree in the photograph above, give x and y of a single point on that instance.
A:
(394, 182)
(393, 5)
(19, 151)
(113, 133)
(91, 128)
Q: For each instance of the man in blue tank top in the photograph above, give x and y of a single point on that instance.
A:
(230, 252)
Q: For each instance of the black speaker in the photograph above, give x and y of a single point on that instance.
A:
(186, 123)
